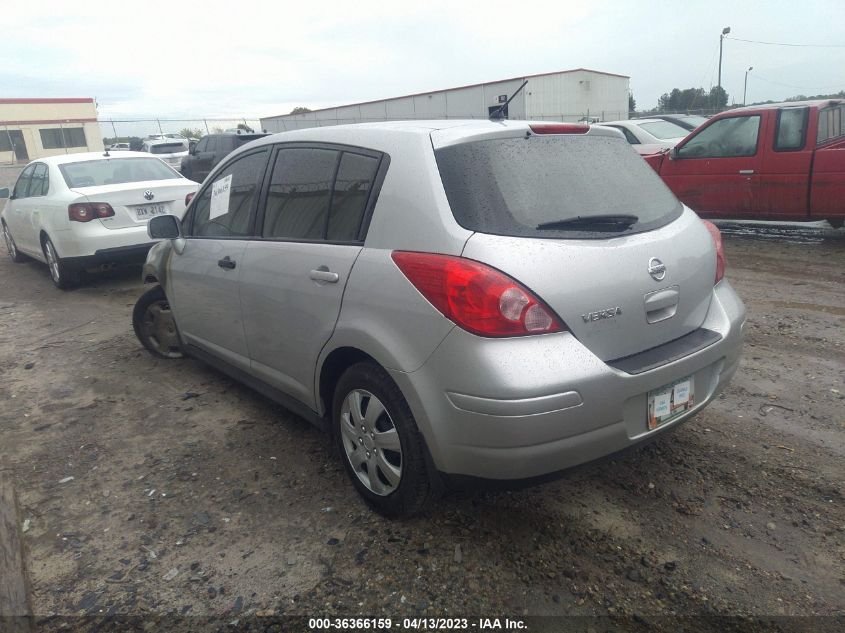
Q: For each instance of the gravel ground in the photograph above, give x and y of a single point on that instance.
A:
(155, 487)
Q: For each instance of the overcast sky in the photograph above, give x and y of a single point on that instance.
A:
(252, 58)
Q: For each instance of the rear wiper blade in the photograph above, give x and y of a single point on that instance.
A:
(607, 221)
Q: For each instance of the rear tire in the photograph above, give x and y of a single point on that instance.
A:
(155, 326)
(14, 254)
(380, 445)
(63, 276)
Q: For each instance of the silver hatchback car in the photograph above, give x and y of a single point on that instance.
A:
(453, 300)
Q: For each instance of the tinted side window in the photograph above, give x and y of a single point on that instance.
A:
(726, 138)
(352, 187)
(224, 209)
(23, 182)
(792, 129)
(203, 144)
(212, 144)
(40, 183)
(299, 194)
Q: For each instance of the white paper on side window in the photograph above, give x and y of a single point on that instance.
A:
(220, 191)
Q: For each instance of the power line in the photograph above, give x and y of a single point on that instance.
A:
(737, 39)
(780, 83)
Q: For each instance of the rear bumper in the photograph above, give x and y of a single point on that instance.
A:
(121, 255)
(526, 407)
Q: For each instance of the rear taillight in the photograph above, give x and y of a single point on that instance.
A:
(559, 128)
(478, 298)
(189, 197)
(87, 211)
(720, 250)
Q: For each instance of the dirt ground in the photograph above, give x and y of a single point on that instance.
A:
(160, 487)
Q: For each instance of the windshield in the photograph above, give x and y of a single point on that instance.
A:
(93, 173)
(664, 130)
(167, 148)
(513, 186)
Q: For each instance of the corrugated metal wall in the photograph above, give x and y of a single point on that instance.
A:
(559, 97)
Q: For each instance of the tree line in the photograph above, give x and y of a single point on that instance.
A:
(714, 100)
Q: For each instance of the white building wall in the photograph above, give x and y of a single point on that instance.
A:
(570, 96)
(564, 96)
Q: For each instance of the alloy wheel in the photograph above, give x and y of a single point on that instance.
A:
(371, 442)
(10, 243)
(52, 261)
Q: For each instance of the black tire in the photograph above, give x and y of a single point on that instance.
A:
(155, 326)
(63, 275)
(14, 254)
(416, 487)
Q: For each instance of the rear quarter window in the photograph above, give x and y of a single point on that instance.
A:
(830, 123)
(510, 186)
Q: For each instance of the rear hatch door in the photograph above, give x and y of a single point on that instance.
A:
(621, 285)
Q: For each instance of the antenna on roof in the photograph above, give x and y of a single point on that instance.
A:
(499, 113)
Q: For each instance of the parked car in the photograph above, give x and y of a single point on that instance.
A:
(454, 300)
(686, 121)
(172, 136)
(210, 150)
(81, 211)
(170, 151)
(119, 147)
(649, 135)
(781, 161)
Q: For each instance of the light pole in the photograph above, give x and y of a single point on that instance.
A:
(745, 86)
(725, 31)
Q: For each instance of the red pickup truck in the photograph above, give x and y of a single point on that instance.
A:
(782, 161)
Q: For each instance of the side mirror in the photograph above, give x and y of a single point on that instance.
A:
(4, 193)
(673, 153)
(164, 227)
(192, 147)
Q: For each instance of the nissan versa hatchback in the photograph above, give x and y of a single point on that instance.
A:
(454, 300)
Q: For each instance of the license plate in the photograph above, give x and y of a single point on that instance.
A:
(670, 401)
(146, 212)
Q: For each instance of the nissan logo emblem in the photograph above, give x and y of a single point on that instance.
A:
(656, 269)
(149, 195)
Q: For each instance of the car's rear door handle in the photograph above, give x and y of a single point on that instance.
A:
(324, 274)
(226, 263)
(746, 172)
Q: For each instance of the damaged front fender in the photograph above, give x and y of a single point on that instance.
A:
(155, 268)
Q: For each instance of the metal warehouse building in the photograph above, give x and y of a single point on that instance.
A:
(37, 128)
(567, 95)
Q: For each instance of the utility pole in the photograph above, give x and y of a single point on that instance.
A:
(725, 31)
(745, 86)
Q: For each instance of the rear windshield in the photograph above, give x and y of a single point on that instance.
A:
(664, 129)
(242, 139)
(93, 173)
(167, 148)
(511, 186)
(694, 119)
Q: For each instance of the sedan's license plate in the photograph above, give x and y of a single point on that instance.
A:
(146, 212)
(670, 401)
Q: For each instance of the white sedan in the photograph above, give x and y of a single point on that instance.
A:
(82, 211)
(650, 135)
